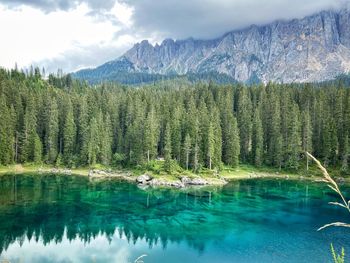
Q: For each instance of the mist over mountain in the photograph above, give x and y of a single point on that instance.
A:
(315, 48)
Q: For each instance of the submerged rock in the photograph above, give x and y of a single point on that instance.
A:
(198, 181)
(61, 171)
(195, 181)
(157, 182)
(98, 173)
(177, 184)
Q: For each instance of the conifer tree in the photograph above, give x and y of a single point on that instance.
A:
(52, 132)
(211, 146)
(203, 128)
(69, 135)
(151, 135)
(29, 130)
(217, 162)
(93, 142)
(37, 149)
(294, 140)
(306, 134)
(274, 150)
(106, 137)
(231, 144)
(176, 132)
(135, 134)
(244, 110)
(257, 140)
(6, 134)
(333, 142)
(187, 150)
(329, 140)
(167, 149)
(83, 131)
(346, 154)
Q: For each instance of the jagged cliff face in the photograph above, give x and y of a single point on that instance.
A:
(315, 48)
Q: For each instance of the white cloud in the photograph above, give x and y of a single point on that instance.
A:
(212, 18)
(87, 56)
(30, 35)
(123, 13)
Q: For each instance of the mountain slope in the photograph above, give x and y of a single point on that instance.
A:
(315, 48)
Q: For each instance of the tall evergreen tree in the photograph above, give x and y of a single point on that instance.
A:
(231, 145)
(83, 131)
(69, 135)
(346, 154)
(6, 134)
(29, 131)
(52, 133)
(294, 141)
(176, 132)
(217, 162)
(257, 140)
(211, 146)
(151, 135)
(306, 134)
(93, 142)
(37, 149)
(106, 137)
(244, 110)
(187, 150)
(274, 150)
(167, 149)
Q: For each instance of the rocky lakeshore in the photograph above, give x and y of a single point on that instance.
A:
(179, 181)
(149, 180)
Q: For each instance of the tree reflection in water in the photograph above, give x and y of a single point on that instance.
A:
(249, 217)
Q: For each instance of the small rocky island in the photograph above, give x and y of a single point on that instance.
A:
(149, 180)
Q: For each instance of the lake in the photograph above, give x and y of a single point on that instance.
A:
(53, 218)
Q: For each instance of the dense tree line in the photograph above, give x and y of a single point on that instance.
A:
(107, 74)
(63, 121)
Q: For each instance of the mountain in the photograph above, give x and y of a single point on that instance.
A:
(315, 48)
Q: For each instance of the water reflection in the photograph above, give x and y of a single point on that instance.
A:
(72, 218)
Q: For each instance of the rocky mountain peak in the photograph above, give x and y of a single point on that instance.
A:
(314, 48)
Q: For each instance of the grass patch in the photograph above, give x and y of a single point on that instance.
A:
(155, 169)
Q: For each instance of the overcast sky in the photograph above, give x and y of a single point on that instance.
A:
(71, 35)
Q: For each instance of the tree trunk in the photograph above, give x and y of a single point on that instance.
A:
(187, 160)
(16, 148)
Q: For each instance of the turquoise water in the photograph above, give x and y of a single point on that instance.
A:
(48, 218)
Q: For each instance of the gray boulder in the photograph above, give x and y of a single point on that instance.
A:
(143, 179)
(198, 181)
(186, 180)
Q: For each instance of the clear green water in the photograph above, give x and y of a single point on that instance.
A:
(49, 218)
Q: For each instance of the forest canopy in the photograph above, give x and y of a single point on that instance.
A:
(62, 121)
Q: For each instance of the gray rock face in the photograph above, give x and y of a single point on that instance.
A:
(314, 48)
